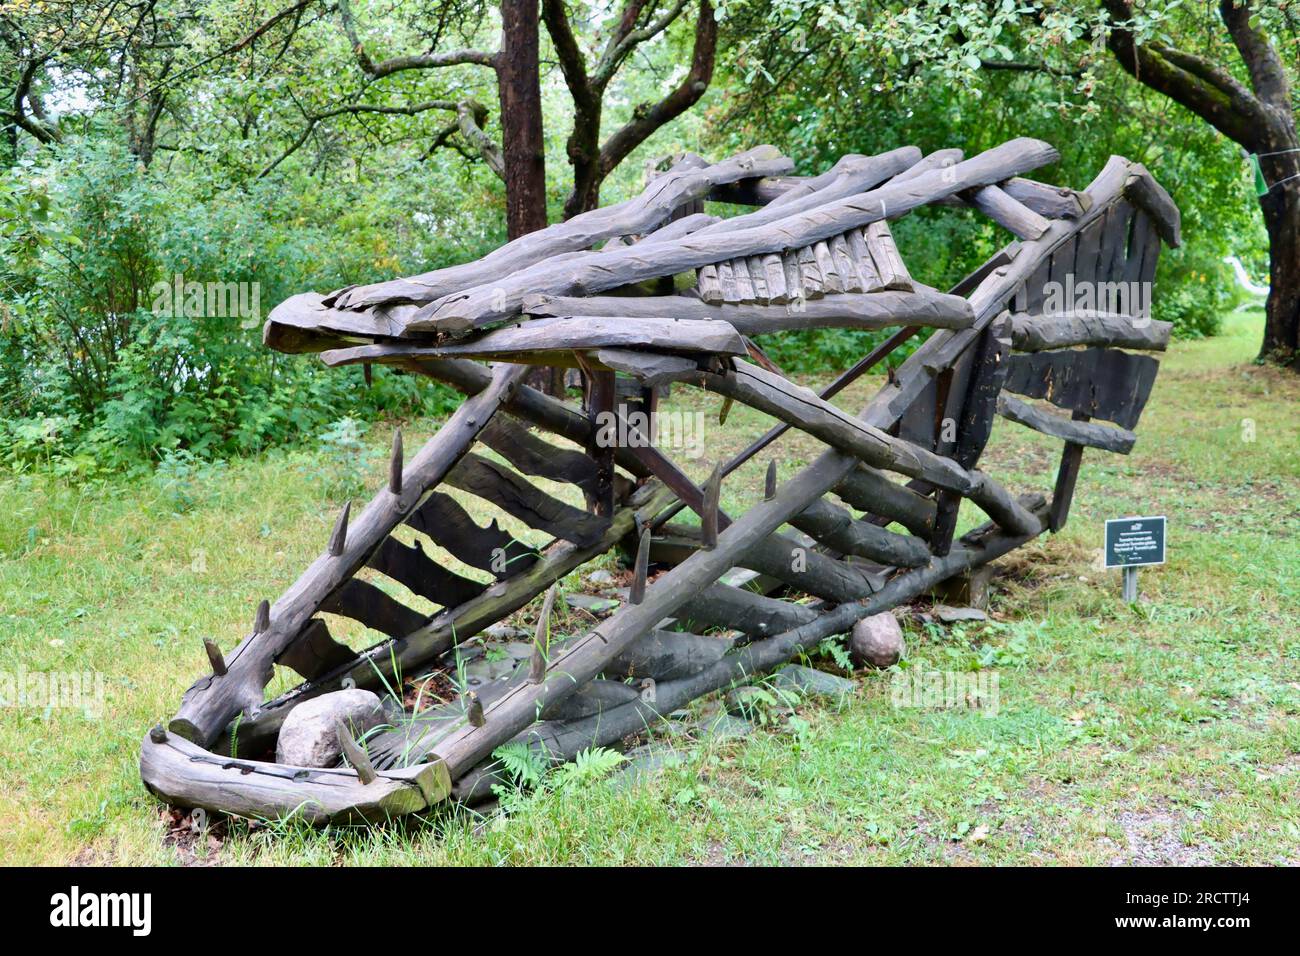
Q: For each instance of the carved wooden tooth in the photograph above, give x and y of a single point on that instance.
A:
(356, 756)
(542, 637)
(339, 537)
(636, 594)
(214, 657)
(769, 483)
(725, 410)
(474, 710)
(395, 464)
(157, 734)
(262, 620)
(709, 520)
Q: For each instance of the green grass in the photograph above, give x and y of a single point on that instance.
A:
(1167, 732)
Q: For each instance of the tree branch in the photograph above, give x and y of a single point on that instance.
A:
(396, 64)
(647, 119)
(1267, 74)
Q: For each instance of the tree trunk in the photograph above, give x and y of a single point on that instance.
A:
(521, 118)
(1281, 208)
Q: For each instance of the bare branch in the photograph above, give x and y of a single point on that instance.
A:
(417, 61)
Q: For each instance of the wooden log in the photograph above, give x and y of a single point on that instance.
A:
(831, 281)
(1054, 202)
(727, 280)
(709, 284)
(640, 569)
(1142, 188)
(656, 203)
(834, 527)
(725, 606)
(805, 411)
(1038, 333)
(810, 276)
(878, 310)
(667, 655)
(562, 740)
(885, 256)
(845, 266)
(1007, 212)
(542, 341)
(507, 490)
(758, 279)
(1104, 383)
(212, 702)
(1067, 475)
(186, 775)
(605, 270)
(396, 459)
(1118, 440)
(872, 491)
(744, 285)
(709, 511)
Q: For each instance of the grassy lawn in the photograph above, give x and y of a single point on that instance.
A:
(1165, 732)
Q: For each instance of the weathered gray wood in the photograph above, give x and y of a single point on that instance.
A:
(709, 284)
(533, 456)
(186, 775)
(667, 655)
(878, 310)
(885, 257)
(1104, 383)
(411, 567)
(595, 272)
(1142, 188)
(489, 548)
(539, 340)
(725, 606)
(364, 602)
(211, 702)
(835, 527)
(356, 757)
(1037, 333)
(872, 491)
(1118, 440)
(504, 488)
(661, 197)
(1013, 215)
(1054, 202)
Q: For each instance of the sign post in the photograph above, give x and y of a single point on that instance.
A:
(1131, 543)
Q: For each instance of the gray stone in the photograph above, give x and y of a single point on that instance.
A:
(503, 632)
(600, 576)
(645, 762)
(876, 641)
(812, 683)
(954, 615)
(307, 737)
(485, 670)
(725, 727)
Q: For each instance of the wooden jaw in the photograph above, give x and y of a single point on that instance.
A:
(870, 522)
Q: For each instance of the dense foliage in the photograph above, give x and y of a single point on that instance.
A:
(206, 153)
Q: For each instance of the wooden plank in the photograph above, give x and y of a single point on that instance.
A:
(488, 548)
(1143, 190)
(1067, 475)
(810, 276)
(516, 496)
(774, 277)
(727, 280)
(744, 285)
(758, 278)
(1087, 251)
(845, 267)
(410, 566)
(884, 255)
(315, 652)
(1104, 383)
(1104, 437)
(533, 456)
(362, 601)
(831, 281)
(709, 285)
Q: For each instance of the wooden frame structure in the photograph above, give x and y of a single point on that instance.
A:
(597, 294)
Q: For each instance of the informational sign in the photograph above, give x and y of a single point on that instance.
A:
(1135, 541)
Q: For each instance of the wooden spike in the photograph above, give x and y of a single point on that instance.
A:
(262, 620)
(769, 483)
(395, 464)
(542, 637)
(725, 410)
(339, 538)
(709, 519)
(636, 594)
(474, 709)
(214, 657)
(356, 756)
